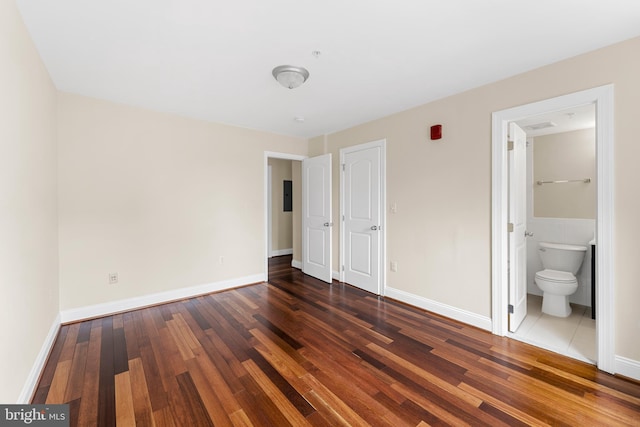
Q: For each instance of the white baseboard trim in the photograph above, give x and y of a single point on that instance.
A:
(627, 367)
(335, 275)
(36, 370)
(98, 310)
(451, 312)
(280, 252)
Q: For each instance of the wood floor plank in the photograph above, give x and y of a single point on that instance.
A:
(337, 407)
(59, 383)
(210, 398)
(140, 394)
(215, 378)
(106, 379)
(76, 372)
(254, 396)
(197, 413)
(170, 362)
(153, 375)
(164, 418)
(87, 412)
(180, 340)
(271, 390)
(431, 378)
(297, 351)
(125, 414)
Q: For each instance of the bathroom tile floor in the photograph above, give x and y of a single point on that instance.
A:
(573, 336)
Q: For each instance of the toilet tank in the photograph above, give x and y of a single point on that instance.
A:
(561, 257)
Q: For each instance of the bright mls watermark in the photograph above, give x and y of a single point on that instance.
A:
(34, 415)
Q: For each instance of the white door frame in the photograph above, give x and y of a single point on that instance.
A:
(269, 210)
(382, 143)
(603, 98)
(267, 156)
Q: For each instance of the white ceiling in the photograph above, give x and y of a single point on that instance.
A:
(212, 59)
(574, 118)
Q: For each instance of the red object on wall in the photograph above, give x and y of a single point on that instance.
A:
(436, 132)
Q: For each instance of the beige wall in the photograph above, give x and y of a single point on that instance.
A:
(158, 199)
(565, 156)
(281, 222)
(441, 233)
(28, 218)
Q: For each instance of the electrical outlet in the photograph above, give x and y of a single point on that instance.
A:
(394, 266)
(113, 278)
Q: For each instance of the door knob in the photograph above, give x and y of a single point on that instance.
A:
(328, 224)
(374, 227)
(528, 234)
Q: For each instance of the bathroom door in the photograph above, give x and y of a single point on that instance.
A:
(517, 161)
(316, 217)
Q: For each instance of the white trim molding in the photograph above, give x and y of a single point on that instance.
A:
(628, 367)
(38, 366)
(280, 252)
(296, 264)
(602, 97)
(109, 308)
(464, 316)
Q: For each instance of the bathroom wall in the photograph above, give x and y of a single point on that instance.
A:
(560, 230)
(565, 156)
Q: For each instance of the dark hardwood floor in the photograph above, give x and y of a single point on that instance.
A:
(296, 351)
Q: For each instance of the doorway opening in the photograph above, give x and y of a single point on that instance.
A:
(270, 182)
(280, 201)
(559, 198)
(602, 98)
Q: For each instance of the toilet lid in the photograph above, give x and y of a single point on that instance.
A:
(556, 276)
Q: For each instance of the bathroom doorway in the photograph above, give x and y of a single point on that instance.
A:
(602, 100)
(560, 208)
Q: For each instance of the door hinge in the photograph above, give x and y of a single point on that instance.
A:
(343, 268)
(510, 227)
(343, 217)
(509, 145)
(343, 166)
(510, 309)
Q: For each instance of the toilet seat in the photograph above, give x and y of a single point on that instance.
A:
(555, 276)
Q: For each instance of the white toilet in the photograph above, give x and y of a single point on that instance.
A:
(557, 281)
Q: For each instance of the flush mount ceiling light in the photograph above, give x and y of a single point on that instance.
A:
(289, 76)
(542, 125)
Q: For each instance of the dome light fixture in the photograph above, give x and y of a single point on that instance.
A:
(290, 76)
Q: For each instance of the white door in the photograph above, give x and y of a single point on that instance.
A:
(316, 217)
(517, 234)
(362, 209)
